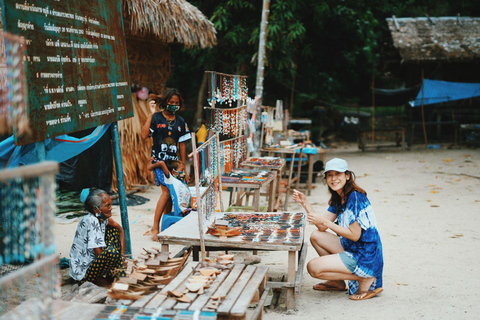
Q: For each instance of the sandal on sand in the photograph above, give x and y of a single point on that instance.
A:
(367, 294)
(327, 287)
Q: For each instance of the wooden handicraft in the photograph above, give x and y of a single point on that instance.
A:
(275, 228)
(222, 230)
(152, 268)
(274, 163)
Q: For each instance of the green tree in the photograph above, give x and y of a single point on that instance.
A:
(318, 51)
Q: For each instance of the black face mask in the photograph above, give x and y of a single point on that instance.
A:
(172, 108)
(100, 215)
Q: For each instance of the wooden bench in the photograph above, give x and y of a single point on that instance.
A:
(364, 134)
(239, 287)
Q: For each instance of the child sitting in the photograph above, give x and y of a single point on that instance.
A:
(172, 174)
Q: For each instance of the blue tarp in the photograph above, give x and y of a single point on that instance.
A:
(58, 149)
(434, 91)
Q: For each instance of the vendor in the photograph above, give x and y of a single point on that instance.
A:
(98, 249)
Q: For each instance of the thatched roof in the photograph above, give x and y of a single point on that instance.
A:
(436, 39)
(170, 21)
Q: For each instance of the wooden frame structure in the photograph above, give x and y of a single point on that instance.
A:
(211, 181)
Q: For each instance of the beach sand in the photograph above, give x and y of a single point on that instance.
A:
(427, 205)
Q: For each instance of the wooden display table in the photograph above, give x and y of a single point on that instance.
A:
(310, 153)
(275, 164)
(253, 181)
(272, 231)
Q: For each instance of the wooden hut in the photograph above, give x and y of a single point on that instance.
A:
(150, 27)
(441, 48)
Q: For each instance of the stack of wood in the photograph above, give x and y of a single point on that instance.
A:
(150, 272)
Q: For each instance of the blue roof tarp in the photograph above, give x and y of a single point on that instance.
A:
(58, 149)
(434, 91)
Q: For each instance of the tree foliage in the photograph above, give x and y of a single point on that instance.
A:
(328, 48)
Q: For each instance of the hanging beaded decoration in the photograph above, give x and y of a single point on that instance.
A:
(27, 208)
(13, 105)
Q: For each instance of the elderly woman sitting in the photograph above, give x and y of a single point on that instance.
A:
(97, 253)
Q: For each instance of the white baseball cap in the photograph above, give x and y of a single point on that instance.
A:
(336, 164)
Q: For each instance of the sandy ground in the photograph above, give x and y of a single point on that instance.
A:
(427, 204)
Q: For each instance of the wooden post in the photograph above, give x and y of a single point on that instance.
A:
(199, 198)
(122, 197)
(423, 114)
(291, 279)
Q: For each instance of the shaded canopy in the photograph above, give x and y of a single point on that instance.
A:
(436, 39)
(435, 91)
(170, 21)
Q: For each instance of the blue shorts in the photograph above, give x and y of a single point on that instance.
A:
(348, 261)
(159, 177)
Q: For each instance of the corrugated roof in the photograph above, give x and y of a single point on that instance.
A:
(436, 39)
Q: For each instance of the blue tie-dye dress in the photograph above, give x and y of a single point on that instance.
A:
(367, 251)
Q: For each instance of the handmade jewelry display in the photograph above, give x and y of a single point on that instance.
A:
(13, 108)
(268, 227)
(274, 163)
(207, 175)
(247, 176)
(232, 154)
(226, 88)
(228, 123)
(27, 208)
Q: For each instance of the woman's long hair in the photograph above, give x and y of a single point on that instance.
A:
(348, 188)
(162, 100)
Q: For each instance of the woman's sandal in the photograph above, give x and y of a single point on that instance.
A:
(365, 294)
(327, 287)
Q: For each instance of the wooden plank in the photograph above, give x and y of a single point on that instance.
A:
(144, 300)
(278, 284)
(202, 300)
(258, 313)
(230, 280)
(178, 280)
(237, 289)
(300, 268)
(291, 278)
(256, 283)
(34, 170)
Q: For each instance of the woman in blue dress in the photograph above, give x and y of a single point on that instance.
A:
(353, 252)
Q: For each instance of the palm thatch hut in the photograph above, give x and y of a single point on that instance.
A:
(436, 39)
(151, 26)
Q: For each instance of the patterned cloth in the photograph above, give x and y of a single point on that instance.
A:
(166, 137)
(367, 251)
(109, 263)
(90, 234)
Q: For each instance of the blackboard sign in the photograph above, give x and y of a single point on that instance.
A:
(76, 63)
